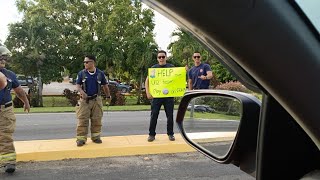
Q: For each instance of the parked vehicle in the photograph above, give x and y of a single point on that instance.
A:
(25, 81)
(269, 45)
(121, 87)
(201, 108)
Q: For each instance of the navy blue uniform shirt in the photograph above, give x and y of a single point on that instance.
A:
(91, 81)
(5, 95)
(194, 74)
(162, 66)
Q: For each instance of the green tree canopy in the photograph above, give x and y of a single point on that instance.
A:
(183, 48)
(55, 35)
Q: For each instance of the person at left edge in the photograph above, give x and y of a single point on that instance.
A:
(89, 83)
(7, 117)
(3, 81)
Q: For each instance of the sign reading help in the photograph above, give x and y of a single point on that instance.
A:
(167, 82)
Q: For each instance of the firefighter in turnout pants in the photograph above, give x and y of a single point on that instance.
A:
(7, 117)
(89, 82)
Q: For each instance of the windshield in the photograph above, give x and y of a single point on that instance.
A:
(311, 10)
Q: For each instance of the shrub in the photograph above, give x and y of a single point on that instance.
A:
(117, 99)
(143, 98)
(72, 96)
(17, 103)
(177, 100)
(233, 86)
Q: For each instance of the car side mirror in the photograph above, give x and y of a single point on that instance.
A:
(212, 121)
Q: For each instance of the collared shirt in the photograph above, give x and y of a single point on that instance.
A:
(91, 81)
(195, 73)
(162, 66)
(5, 95)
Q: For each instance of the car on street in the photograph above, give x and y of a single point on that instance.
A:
(269, 46)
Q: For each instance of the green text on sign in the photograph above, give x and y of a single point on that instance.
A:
(167, 82)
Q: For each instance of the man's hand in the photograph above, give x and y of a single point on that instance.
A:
(108, 100)
(203, 77)
(83, 95)
(26, 107)
(149, 96)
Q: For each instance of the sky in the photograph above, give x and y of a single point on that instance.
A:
(162, 31)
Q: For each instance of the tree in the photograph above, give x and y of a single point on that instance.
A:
(183, 48)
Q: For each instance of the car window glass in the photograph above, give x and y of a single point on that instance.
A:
(311, 10)
(49, 41)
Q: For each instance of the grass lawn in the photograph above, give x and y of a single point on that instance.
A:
(59, 104)
(126, 108)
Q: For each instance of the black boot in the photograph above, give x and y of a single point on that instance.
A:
(80, 143)
(9, 168)
(98, 141)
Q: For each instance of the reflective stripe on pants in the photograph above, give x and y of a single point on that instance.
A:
(7, 127)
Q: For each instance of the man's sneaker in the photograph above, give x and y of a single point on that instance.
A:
(80, 143)
(9, 168)
(151, 138)
(98, 141)
(172, 138)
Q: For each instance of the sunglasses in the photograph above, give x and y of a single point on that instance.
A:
(196, 57)
(161, 57)
(86, 62)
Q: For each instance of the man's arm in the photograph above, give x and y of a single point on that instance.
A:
(82, 93)
(209, 74)
(190, 84)
(208, 70)
(149, 96)
(23, 97)
(190, 80)
(106, 90)
(3, 81)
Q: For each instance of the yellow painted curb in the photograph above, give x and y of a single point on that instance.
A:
(47, 150)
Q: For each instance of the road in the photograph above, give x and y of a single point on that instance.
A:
(193, 166)
(41, 126)
(163, 166)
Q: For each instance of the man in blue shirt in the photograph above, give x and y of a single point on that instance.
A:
(200, 74)
(89, 82)
(7, 117)
(156, 103)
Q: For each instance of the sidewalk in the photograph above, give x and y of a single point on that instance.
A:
(58, 149)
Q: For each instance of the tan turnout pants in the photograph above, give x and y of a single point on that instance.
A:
(7, 127)
(93, 111)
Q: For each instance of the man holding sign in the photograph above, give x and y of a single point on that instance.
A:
(156, 103)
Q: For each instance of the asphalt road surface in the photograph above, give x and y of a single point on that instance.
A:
(42, 126)
(193, 166)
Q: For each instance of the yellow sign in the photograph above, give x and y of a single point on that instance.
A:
(167, 82)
